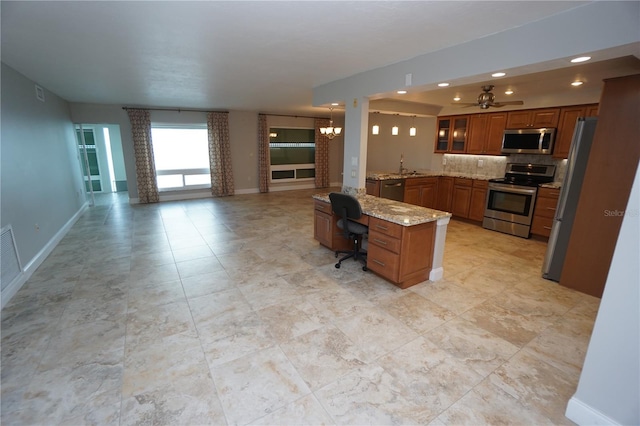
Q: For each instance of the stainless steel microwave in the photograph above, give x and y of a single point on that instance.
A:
(528, 141)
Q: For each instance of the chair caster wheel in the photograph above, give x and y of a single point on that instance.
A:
(364, 268)
(336, 256)
(337, 266)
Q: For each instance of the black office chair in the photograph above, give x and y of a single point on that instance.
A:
(347, 207)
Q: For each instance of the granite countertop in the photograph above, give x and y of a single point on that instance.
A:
(386, 176)
(393, 211)
(552, 185)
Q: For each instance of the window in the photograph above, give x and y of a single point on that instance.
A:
(292, 153)
(91, 158)
(181, 155)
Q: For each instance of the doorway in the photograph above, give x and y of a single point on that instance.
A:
(101, 158)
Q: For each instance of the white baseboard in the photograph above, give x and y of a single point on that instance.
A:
(37, 260)
(583, 414)
(436, 274)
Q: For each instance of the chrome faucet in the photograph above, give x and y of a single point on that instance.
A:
(402, 169)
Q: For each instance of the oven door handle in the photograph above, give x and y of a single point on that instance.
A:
(512, 188)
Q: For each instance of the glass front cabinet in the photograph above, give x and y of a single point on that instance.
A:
(452, 134)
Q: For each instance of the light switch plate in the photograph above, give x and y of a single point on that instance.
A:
(353, 173)
(354, 161)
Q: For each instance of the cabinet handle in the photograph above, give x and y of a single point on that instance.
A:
(551, 208)
(382, 227)
(378, 262)
(547, 227)
(384, 243)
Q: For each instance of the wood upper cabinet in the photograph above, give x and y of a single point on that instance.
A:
(533, 118)
(566, 126)
(451, 134)
(445, 193)
(478, 201)
(421, 191)
(485, 133)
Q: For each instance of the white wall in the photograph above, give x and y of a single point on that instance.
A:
(41, 182)
(609, 387)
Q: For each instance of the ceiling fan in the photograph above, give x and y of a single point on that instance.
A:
(486, 99)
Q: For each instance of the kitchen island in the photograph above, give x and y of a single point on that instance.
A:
(405, 242)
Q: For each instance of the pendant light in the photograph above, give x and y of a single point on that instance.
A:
(331, 132)
(413, 131)
(375, 129)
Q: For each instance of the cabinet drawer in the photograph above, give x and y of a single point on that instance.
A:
(383, 262)
(322, 206)
(462, 182)
(384, 227)
(549, 193)
(545, 207)
(418, 181)
(541, 225)
(479, 183)
(384, 241)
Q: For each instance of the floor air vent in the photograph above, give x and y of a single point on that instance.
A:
(10, 263)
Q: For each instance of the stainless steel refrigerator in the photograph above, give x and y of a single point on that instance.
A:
(568, 200)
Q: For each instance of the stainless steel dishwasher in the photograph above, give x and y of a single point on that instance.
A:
(392, 189)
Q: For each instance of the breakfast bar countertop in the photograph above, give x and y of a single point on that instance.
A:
(393, 211)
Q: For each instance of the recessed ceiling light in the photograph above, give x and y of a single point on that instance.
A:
(580, 59)
(443, 84)
(508, 92)
(457, 98)
(498, 74)
(401, 92)
(334, 104)
(577, 83)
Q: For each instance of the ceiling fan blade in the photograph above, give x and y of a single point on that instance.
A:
(508, 103)
(464, 104)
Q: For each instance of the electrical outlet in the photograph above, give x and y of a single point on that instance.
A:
(444, 161)
(37, 227)
(480, 163)
(353, 173)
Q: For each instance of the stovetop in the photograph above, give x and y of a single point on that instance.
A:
(527, 174)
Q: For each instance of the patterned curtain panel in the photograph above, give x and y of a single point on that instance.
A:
(143, 149)
(263, 153)
(322, 154)
(220, 154)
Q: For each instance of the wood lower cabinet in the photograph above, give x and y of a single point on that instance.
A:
(421, 191)
(461, 199)
(373, 187)
(401, 254)
(445, 193)
(566, 126)
(325, 228)
(533, 118)
(478, 201)
(544, 211)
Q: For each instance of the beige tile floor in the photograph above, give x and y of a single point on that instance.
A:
(227, 311)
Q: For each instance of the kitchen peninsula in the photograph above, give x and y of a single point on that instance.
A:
(405, 242)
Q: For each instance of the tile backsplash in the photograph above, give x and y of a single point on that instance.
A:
(492, 166)
(495, 166)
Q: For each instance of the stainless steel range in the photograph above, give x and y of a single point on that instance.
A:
(510, 200)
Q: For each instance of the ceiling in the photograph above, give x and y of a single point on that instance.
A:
(244, 55)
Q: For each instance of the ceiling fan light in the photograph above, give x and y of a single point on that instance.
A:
(375, 130)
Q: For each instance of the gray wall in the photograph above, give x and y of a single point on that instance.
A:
(41, 180)
(383, 150)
